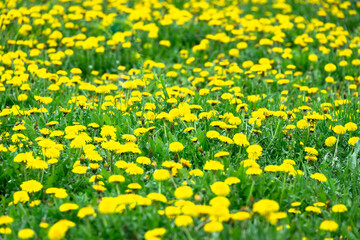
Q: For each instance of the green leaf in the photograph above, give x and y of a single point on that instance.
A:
(160, 147)
(353, 158)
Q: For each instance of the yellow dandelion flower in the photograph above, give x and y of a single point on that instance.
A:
(31, 186)
(220, 188)
(183, 192)
(319, 176)
(176, 147)
(329, 225)
(26, 233)
(161, 175)
(339, 208)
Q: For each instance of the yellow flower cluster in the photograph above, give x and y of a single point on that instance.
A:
(151, 119)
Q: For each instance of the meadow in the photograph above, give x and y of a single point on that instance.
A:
(174, 119)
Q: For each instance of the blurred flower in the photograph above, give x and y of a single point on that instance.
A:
(31, 186)
(26, 233)
(329, 225)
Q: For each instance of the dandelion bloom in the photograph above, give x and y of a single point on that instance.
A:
(293, 210)
(330, 141)
(21, 196)
(22, 97)
(350, 126)
(134, 186)
(329, 225)
(319, 176)
(35, 203)
(212, 134)
(289, 161)
(339, 208)
(157, 197)
(52, 161)
(221, 154)
(133, 169)
(79, 169)
(26, 233)
(59, 229)
(6, 220)
(240, 216)
(311, 151)
(44, 225)
(220, 188)
(99, 188)
(352, 141)
(86, 211)
(253, 171)
(276, 216)
(249, 163)
(183, 192)
(116, 179)
(203, 92)
(295, 204)
(220, 213)
(108, 131)
(111, 145)
(213, 165)
(58, 192)
(172, 212)
(213, 226)
(319, 204)
(286, 168)
(176, 147)
(183, 221)
(241, 140)
(232, 180)
(68, 207)
(156, 233)
(143, 160)
(329, 79)
(272, 168)
(31, 186)
(196, 173)
(339, 129)
(5, 230)
(302, 124)
(220, 201)
(254, 151)
(330, 67)
(93, 125)
(265, 206)
(161, 175)
(313, 209)
(313, 58)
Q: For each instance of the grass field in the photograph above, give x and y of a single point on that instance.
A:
(199, 119)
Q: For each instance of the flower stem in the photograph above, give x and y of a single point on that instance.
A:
(111, 161)
(336, 146)
(42, 175)
(282, 189)
(188, 235)
(25, 172)
(118, 190)
(250, 193)
(273, 137)
(165, 130)
(160, 185)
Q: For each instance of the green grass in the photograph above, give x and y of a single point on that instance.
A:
(117, 85)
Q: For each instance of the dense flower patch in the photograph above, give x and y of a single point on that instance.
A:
(153, 119)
